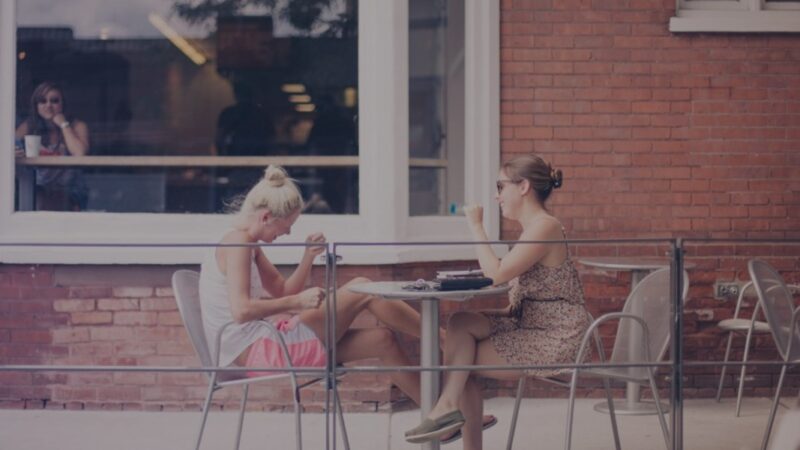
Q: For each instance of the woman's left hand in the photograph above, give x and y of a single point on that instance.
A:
(315, 238)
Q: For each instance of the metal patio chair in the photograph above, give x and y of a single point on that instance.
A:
(185, 284)
(738, 325)
(642, 336)
(782, 316)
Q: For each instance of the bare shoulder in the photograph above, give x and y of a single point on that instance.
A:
(230, 240)
(547, 227)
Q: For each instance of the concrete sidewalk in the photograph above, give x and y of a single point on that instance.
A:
(707, 425)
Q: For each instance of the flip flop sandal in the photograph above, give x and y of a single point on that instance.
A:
(457, 435)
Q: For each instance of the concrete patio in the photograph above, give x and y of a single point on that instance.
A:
(707, 425)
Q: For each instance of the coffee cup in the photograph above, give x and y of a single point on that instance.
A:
(32, 145)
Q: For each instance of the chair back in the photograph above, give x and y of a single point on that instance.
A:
(778, 305)
(649, 300)
(186, 286)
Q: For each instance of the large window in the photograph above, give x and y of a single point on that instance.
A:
(180, 104)
(144, 80)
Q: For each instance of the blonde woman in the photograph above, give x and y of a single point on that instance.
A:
(267, 212)
(544, 320)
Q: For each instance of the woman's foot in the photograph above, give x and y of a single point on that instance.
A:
(488, 422)
(434, 427)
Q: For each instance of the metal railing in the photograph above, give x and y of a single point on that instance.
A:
(676, 363)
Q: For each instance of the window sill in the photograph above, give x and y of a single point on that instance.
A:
(776, 21)
(182, 239)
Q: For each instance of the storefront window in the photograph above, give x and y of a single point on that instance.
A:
(179, 105)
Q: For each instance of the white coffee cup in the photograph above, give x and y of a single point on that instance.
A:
(32, 145)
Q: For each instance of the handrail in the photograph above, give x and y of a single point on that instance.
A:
(209, 161)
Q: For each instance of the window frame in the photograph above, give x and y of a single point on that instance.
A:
(735, 16)
(383, 165)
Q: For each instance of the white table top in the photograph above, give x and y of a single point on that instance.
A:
(394, 290)
(627, 262)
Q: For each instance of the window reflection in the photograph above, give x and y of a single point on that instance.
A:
(175, 78)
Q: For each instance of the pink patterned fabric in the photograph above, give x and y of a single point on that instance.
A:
(304, 347)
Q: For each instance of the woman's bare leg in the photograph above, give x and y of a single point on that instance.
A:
(464, 331)
(397, 315)
(379, 343)
(471, 405)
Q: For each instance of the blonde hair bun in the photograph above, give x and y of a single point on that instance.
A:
(275, 176)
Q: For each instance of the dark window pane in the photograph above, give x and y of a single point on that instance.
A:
(174, 78)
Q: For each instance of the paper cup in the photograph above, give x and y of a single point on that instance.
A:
(32, 145)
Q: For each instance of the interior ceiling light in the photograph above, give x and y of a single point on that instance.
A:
(300, 98)
(305, 107)
(176, 39)
(293, 88)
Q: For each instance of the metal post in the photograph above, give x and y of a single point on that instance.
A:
(676, 397)
(330, 330)
(429, 356)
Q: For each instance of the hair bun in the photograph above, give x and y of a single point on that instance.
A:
(556, 178)
(275, 176)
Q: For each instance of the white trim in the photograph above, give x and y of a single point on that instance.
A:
(8, 79)
(383, 164)
(736, 17)
(482, 105)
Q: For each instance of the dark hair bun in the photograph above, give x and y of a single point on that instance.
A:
(556, 178)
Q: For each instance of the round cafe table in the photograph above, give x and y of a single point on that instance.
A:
(429, 342)
(639, 268)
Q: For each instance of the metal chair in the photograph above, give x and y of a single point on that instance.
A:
(738, 325)
(642, 336)
(185, 284)
(782, 316)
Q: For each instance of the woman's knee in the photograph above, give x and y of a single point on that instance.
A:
(461, 321)
(358, 280)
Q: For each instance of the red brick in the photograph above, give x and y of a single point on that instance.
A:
(90, 318)
(135, 318)
(73, 305)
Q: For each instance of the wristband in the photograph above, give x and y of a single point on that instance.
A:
(64, 125)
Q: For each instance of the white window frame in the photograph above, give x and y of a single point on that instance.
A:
(383, 164)
(735, 16)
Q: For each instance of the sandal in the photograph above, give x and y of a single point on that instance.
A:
(457, 435)
(434, 428)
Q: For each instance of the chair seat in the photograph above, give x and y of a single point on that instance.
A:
(628, 374)
(743, 325)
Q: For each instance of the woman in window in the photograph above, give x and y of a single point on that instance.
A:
(56, 189)
(544, 321)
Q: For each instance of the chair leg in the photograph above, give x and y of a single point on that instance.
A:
(338, 407)
(298, 424)
(571, 410)
(661, 419)
(245, 390)
(772, 412)
(515, 414)
(611, 413)
(206, 405)
(742, 372)
(722, 374)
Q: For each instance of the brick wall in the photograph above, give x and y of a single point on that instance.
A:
(659, 135)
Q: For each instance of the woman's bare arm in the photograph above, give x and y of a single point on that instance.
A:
(243, 307)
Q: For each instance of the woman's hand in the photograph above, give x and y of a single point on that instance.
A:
(59, 119)
(310, 298)
(314, 250)
(474, 215)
